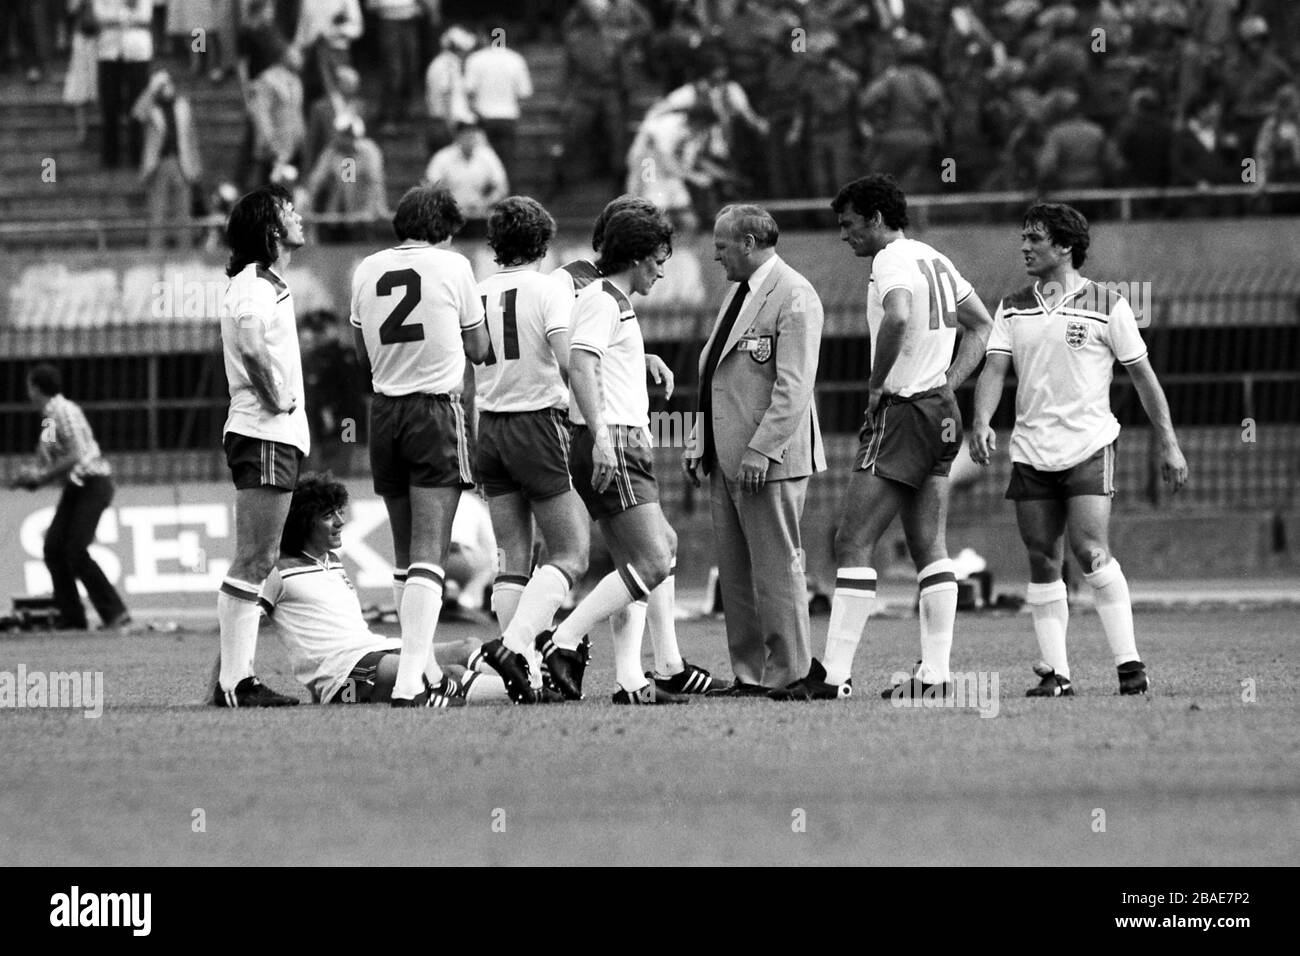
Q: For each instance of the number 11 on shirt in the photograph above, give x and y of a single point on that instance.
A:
(504, 308)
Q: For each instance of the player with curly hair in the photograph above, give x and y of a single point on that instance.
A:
(522, 453)
(333, 652)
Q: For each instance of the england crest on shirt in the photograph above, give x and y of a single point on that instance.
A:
(1076, 334)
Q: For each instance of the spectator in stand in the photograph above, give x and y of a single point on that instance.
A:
(1252, 77)
(343, 101)
(1144, 140)
(260, 44)
(725, 98)
(602, 40)
(171, 167)
(275, 109)
(68, 454)
(325, 34)
(906, 104)
(80, 86)
(444, 87)
(1204, 155)
(1076, 152)
(1277, 150)
(828, 122)
(124, 53)
(668, 164)
(470, 170)
(348, 181)
(787, 164)
(333, 392)
(676, 44)
(496, 79)
(399, 25)
(1060, 58)
(25, 22)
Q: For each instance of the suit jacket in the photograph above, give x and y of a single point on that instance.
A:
(763, 388)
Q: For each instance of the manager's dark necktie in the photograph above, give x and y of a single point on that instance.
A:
(711, 364)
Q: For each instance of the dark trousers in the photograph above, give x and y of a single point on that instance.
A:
(399, 48)
(120, 83)
(501, 136)
(67, 556)
(25, 20)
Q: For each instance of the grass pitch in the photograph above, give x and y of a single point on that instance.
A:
(1190, 775)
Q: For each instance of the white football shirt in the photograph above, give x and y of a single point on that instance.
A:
(257, 295)
(1064, 360)
(412, 302)
(604, 323)
(524, 309)
(931, 334)
(318, 617)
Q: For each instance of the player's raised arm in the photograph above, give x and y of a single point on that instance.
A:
(1173, 465)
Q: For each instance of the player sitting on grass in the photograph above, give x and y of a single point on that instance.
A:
(315, 610)
(1064, 334)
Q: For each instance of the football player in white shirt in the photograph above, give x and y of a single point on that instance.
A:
(416, 314)
(672, 672)
(610, 458)
(522, 451)
(915, 302)
(265, 435)
(1064, 334)
(332, 650)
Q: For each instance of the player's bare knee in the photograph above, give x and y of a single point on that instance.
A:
(1044, 566)
(572, 561)
(851, 551)
(1091, 555)
(653, 568)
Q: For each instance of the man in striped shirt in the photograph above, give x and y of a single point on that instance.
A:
(67, 452)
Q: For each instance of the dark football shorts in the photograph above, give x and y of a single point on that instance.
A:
(525, 452)
(1094, 475)
(359, 687)
(419, 441)
(634, 481)
(259, 463)
(911, 439)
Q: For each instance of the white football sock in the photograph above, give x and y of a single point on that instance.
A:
(506, 592)
(938, 616)
(610, 595)
(629, 626)
(851, 606)
(662, 625)
(421, 607)
(399, 586)
(237, 616)
(1050, 609)
(546, 591)
(1115, 608)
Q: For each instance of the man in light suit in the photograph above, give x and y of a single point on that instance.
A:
(757, 438)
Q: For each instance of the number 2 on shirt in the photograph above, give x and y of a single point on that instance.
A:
(509, 326)
(394, 329)
(935, 271)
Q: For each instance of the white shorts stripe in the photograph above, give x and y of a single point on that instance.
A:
(462, 443)
(873, 450)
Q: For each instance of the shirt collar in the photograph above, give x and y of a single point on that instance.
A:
(761, 273)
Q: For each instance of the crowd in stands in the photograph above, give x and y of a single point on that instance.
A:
(771, 98)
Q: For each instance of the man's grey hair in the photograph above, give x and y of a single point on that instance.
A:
(751, 220)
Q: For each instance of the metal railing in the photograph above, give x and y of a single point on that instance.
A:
(98, 232)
